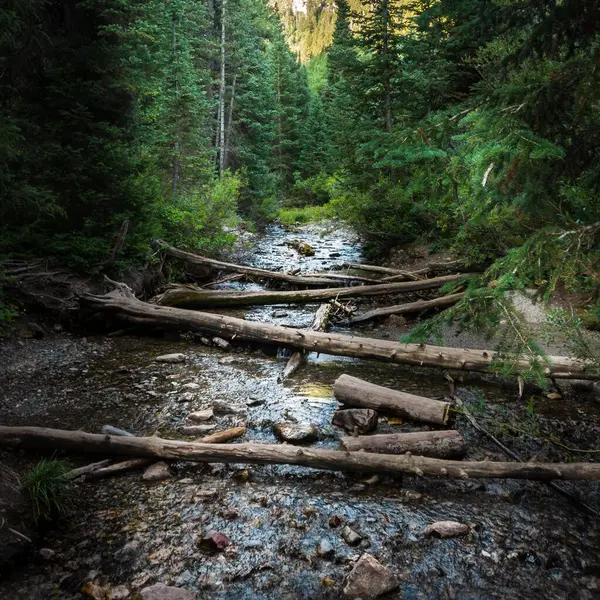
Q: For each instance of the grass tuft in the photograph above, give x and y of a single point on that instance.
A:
(48, 489)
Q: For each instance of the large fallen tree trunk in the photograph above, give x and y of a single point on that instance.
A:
(333, 460)
(196, 259)
(410, 307)
(123, 304)
(298, 358)
(184, 297)
(438, 444)
(355, 392)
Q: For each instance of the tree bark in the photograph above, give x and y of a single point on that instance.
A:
(320, 323)
(123, 304)
(411, 307)
(222, 92)
(333, 460)
(355, 392)
(438, 444)
(120, 467)
(196, 259)
(184, 297)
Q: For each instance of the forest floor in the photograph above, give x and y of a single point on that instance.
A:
(525, 540)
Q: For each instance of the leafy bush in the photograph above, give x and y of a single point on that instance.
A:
(48, 489)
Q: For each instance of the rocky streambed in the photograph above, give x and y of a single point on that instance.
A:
(235, 531)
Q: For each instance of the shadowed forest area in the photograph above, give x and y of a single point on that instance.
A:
(318, 284)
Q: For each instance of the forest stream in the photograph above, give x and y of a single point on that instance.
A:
(285, 523)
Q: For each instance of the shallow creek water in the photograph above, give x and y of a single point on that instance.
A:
(525, 542)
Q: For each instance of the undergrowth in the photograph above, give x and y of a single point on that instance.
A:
(48, 490)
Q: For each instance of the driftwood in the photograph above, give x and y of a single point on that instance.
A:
(333, 460)
(123, 304)
(411, 307)
(439, 444)
(196, 259)
(320, 323)
(352, 391)
(120, 467)
(81, 471)
(184, 297)
(220, 437)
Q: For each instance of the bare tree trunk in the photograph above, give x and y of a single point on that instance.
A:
(227, 144)
(411, 307)
(439, 444)
(177, 143)
(320, 323)
(185, 297)
(357, 393)
(123, 304)
(222, 91)
(333, 460)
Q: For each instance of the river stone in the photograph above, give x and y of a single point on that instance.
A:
(350, 536)
(361, 420)
(190, 386)
(446, 529)
(324, 548)
(171, 358)
(201, 415)
(157, 472)
(196, 429)
(369, 579)
(119, 593)
(213, 541)
(295, 434)
(160, 591)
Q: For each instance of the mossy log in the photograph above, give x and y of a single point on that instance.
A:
(332, 460)
(184, 297)
(122, 304)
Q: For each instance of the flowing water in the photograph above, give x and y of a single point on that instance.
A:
(525, 540)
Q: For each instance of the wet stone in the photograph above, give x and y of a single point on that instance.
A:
(190, 386)
(351, 537)
(197, 429)
(296, 434)
(446, 529)
(157, 472)
(47, 553)
(171, 358)
(119, 593)
(213, 541)
(369, 579)
(334, 521)
(160, 591)
(325, 549)
(359, 420)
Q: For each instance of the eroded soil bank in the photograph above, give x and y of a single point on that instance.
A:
(525, 540)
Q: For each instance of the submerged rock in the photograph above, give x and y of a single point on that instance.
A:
(446, 529)
(359, 420)
(171, 358)
(296, 434)
(351, 537)
(160, 591)
(325, 549)
(157, 472)
(201, 415)
(369, 579)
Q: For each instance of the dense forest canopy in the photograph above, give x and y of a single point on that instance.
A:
(473, 124)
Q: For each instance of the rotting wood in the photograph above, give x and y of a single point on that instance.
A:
(333, 460)
(410, 307)
(320, 323)
(120, 467)
(355, 392)
(184, 297)
(196, 259)
(123, 304)
(81, 471)
(439, 444)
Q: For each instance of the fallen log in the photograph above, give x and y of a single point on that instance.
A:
(222, 436)
(81, 471)
(184, 297)
(333, 460)
(120, 467)
(196, 259)
(320, 323)
(352, 391)
(438, 444)
(411, 307)
(124, 305)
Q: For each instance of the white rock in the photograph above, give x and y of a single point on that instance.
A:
(190, 386)
(447, 529)
(171, 358)
(160, 591)
(201, 415)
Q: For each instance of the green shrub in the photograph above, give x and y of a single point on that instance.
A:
(308, 214)
(48, 489)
